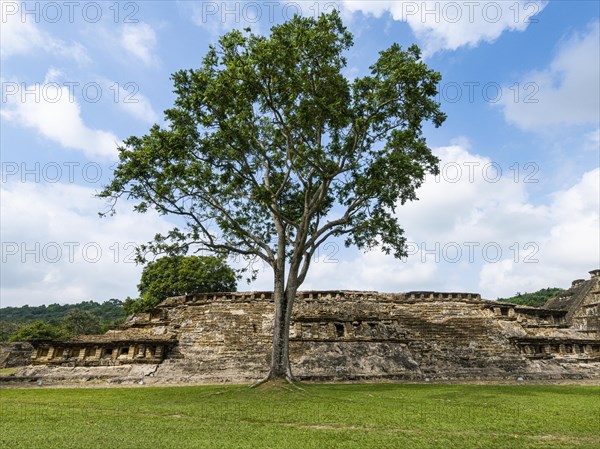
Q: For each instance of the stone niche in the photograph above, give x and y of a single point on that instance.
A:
(99, 353)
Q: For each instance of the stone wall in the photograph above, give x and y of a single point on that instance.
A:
(352, 335)
(368, 335)
(15, 354)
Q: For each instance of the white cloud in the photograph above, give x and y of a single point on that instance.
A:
(52, 110)
(220, 17)
(593, 140)
(24, 37)
(448, 25)
(574, 236)
(137, 105)
(460, 223)
(439, 25)
(472, 193)
(130, 100)
(542, 245)
(334, 268)
(568, 247)
(139, 40)
(567, 92)
(371, 270)
(56, 248)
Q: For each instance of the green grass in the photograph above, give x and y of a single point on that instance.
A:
(320, 416)
(7, 371)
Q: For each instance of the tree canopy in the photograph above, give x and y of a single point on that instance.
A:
(270, 150)
(181, 275)
(80, 322)
(38, 330)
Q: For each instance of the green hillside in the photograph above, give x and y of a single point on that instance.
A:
(108, 314)
(536, 299)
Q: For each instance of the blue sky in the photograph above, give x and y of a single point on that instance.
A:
(516, 207)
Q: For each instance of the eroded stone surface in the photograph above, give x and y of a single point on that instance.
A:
(343, 335)
(15, 354)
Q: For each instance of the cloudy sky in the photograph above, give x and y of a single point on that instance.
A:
(515, 209)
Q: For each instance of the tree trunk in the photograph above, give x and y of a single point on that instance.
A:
(284, 297)
(284, 302)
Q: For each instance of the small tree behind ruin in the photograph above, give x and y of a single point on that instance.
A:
(180, 275)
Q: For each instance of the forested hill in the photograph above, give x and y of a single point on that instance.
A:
(83, 317)
(109, 311)
(536, 299)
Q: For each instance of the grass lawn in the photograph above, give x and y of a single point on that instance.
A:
(320, 416)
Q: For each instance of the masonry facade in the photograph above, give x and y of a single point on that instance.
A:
(343, 335)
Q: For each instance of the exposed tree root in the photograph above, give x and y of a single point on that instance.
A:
(270, 378)
(260, 382)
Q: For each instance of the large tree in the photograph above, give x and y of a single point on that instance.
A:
(270, 150)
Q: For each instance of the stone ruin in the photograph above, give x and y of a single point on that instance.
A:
(340, 335)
